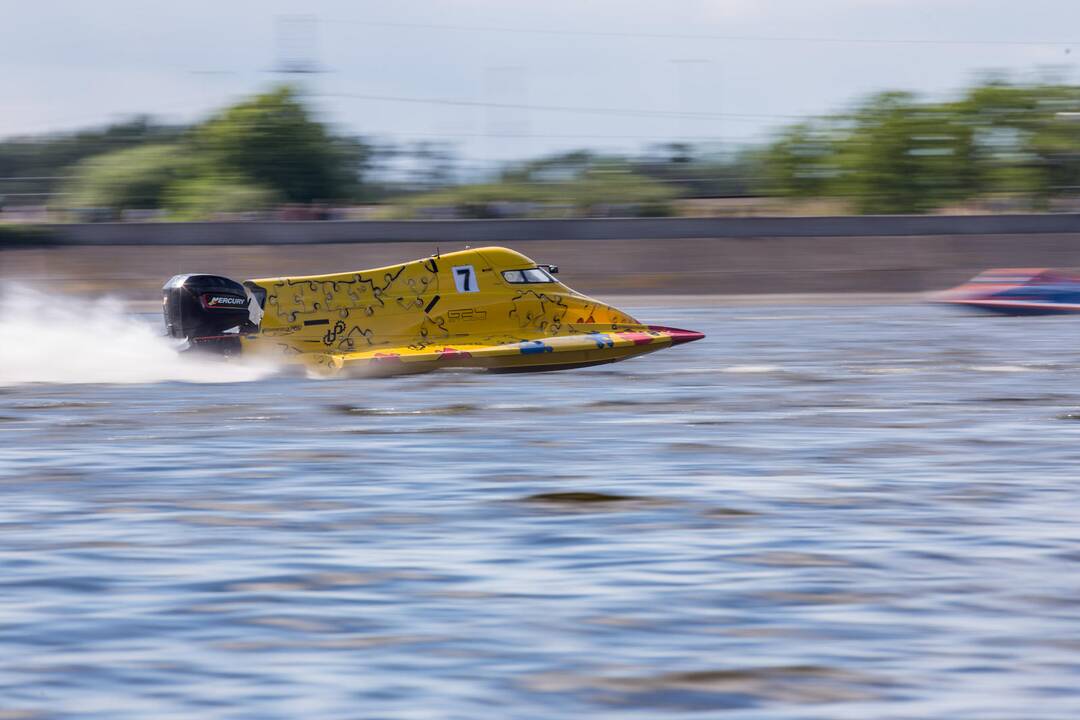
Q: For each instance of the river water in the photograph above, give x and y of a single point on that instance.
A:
(816, 512)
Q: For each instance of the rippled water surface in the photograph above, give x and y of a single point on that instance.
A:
(816, 512)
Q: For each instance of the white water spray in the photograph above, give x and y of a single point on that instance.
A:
(52, 338)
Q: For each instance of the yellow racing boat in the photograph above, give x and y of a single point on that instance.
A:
(489, 308)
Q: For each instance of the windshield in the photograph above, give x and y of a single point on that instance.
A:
(1003, 278)
(530, 275)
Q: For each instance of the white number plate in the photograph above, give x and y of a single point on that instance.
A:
(465, 279)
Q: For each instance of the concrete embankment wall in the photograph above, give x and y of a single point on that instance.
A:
(681, 256)
(503, 231)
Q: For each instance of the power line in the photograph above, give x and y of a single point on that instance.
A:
(635, 112)
(697, 36)
(565, 136)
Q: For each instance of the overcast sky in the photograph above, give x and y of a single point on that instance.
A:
(515, 77)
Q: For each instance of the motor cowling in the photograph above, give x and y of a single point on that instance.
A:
(208, 311)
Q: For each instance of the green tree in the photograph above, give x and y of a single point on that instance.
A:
(894, 154)
(898, 154)
(137, 177)
(48, 159)
(272, 140)
(802, 161)
(1028, 137)
(902, 156)
(204, 196)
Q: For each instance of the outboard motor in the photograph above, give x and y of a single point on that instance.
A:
(209, 312)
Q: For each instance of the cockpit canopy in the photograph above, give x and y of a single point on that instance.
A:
(528, 275)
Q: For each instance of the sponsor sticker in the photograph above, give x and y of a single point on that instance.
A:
(466, 315)
(225, 301)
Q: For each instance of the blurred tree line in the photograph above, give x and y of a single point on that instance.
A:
(36, 166)
(258, 154)
(587, 183)
(261, 153)
(896, 153)
(1015, 143)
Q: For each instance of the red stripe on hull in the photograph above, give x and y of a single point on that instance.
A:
(678, 336)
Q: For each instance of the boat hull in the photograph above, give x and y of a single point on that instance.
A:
(1017, 309)
(468, 309)
(1018, 292)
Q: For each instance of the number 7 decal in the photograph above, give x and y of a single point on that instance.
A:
(465, 279)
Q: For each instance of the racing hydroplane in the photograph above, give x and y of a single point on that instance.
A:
(489, 308)
(1018, 291)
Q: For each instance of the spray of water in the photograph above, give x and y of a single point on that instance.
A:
(51, 338)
